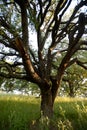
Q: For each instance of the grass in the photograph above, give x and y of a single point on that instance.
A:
(16, 112)
(72, 110)
(21, 112)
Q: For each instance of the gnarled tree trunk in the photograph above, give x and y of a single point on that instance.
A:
(48, 95)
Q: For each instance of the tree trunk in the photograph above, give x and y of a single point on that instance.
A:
(47, 104)
(71, 89)
(48, 95)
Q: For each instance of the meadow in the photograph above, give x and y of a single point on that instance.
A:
(22, 113)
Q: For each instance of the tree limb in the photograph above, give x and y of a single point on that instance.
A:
(82, 64)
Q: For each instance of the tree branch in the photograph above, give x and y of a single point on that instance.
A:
(82, 64)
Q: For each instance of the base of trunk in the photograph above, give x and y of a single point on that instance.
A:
(43, 124)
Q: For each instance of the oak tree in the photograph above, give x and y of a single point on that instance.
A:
(47, 18)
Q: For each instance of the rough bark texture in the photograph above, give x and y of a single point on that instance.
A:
(48, 95)
(47, 104)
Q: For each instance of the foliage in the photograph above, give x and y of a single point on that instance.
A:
(18, 86)
(74, 82)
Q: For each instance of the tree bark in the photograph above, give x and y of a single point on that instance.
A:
(71, 89)
(47, 104)
(48, 95)
(24, 19)
(55, 87)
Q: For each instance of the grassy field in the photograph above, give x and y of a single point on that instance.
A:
(22, 112)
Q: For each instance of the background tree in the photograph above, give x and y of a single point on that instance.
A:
(74, 81)
(18, 86)
(46, 18)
